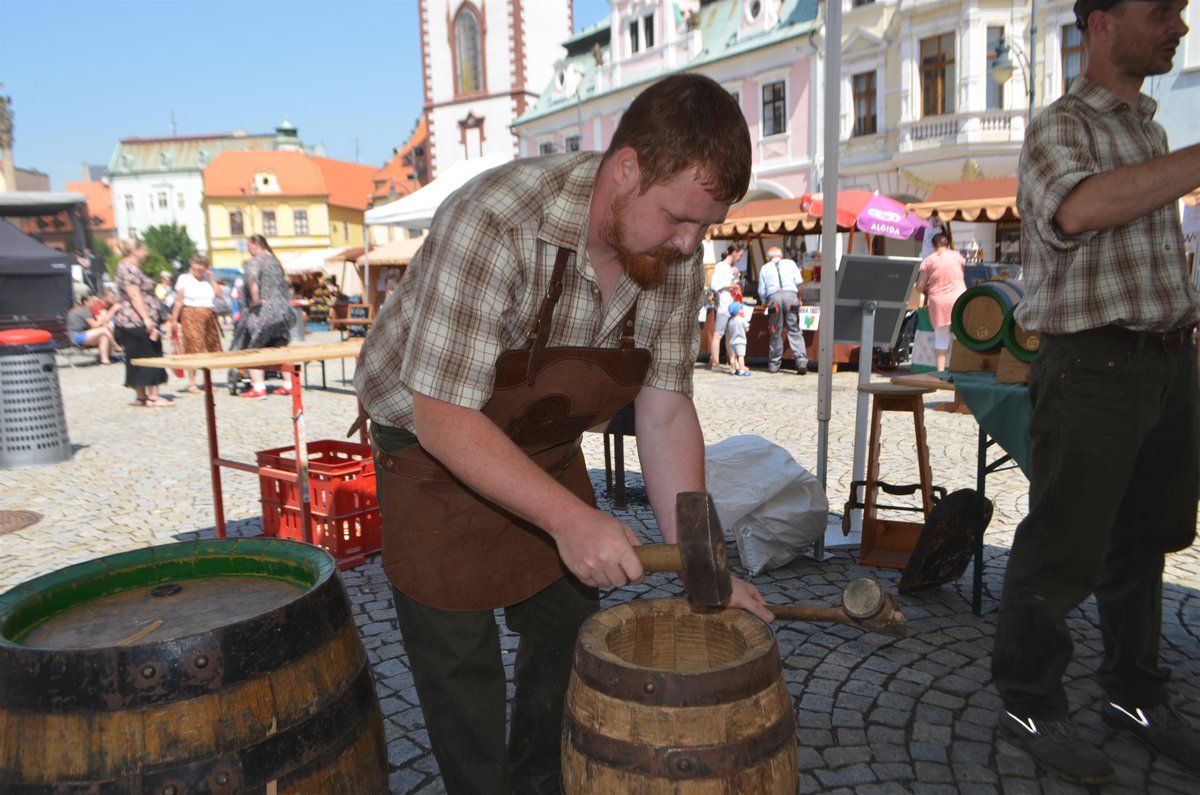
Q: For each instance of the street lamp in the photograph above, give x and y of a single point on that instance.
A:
(1002, 67)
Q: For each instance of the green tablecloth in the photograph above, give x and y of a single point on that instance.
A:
(1003, 411)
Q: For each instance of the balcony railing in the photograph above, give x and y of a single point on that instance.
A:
(984, 126)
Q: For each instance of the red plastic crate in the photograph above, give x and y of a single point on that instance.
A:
(342, 500)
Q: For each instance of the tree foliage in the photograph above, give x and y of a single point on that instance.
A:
(173, 245)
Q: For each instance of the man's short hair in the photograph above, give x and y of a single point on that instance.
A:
(1084, 9)
(688, 121)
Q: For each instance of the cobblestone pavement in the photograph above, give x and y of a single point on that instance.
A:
(874, 714)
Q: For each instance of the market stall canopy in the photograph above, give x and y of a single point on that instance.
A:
(766, 217)
(972, 200)
(31, 203)
(301, 262)
(415, 211)
(397, 252)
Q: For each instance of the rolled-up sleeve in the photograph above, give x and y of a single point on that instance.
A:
(1053, 162)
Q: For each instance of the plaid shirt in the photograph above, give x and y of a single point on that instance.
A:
(1133, 275)
(473, 291)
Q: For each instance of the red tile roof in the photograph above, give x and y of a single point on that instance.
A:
(343, 184)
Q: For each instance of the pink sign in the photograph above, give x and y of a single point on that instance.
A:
(888, 217)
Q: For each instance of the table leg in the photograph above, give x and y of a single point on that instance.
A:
(210, 417)
(981, 470)
(301, 453)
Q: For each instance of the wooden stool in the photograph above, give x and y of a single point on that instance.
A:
(887, 542)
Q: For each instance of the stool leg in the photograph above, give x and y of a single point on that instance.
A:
(871, 490)
(918, 411)
(619, 454)
(607, 467)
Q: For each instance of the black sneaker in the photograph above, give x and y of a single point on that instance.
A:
(1058, 748)
(1159, 727)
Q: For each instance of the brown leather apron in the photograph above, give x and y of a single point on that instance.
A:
(448, 547)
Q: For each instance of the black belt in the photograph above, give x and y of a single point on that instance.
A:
(1166, 340)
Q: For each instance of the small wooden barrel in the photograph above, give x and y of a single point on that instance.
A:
(223, 666)
(1020, 343)
(663, 699)
(977, 319)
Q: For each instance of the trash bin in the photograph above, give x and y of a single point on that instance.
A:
(33, 428)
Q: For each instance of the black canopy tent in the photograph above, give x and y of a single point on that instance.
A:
(35, 282)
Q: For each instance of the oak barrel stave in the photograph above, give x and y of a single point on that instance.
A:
(279, 694)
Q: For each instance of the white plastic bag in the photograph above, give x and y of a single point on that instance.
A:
(774, 507)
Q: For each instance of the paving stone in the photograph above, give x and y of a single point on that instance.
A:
(932, 772)
(847, 776)
(927, 751)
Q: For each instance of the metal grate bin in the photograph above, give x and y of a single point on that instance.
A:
(33, 427)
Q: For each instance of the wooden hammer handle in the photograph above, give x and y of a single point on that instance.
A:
(659, 557)
(810, 613)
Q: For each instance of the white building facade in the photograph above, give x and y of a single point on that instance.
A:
(483, 62)
(159, 181)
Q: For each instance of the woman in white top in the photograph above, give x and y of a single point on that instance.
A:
(193, 312)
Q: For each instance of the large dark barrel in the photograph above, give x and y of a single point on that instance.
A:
(977, 319)
(1020, 343)
(663, 699)
(223, 666)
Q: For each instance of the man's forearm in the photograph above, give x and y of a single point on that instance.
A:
(1114, 198)
(671, 450)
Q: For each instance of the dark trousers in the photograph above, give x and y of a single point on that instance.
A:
(459, 675)
(1114, 473)
(783, 312)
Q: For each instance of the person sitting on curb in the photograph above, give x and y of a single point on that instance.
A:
(89, 329)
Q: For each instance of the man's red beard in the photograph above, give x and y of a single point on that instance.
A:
(647, 269)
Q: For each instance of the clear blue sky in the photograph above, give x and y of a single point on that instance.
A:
(84, 74)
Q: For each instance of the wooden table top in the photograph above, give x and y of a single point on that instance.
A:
(255, 357)
(923, 380)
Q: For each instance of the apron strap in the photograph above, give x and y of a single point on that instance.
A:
(541, 330)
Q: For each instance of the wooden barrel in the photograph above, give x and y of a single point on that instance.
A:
(1020, 343)
(977, 319)
(223, 666)
(663, 699)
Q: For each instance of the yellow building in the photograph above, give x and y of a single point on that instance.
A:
(298, 202)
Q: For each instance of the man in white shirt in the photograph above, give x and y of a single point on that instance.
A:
(778, 286)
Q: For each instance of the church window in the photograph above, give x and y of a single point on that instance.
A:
(468, 52)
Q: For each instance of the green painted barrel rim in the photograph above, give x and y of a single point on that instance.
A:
(36, 601)
(1009, 333)
(981, 290)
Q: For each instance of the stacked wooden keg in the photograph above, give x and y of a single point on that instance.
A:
(986, 335)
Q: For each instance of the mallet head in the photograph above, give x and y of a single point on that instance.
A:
(701, 540)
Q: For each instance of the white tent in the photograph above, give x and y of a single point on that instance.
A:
(415, 211)
(299, 262)
(397, 252)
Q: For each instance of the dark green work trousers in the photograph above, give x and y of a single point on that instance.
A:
(459, 674)
(1114, 475)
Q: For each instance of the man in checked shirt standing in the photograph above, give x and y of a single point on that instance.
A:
(549, 293)
(1114, 437)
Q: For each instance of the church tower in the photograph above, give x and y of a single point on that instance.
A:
(482, 63)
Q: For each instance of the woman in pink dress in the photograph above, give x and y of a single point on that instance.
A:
(941, 281)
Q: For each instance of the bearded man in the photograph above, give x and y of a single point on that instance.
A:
(1114, 438)
(549, 293)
